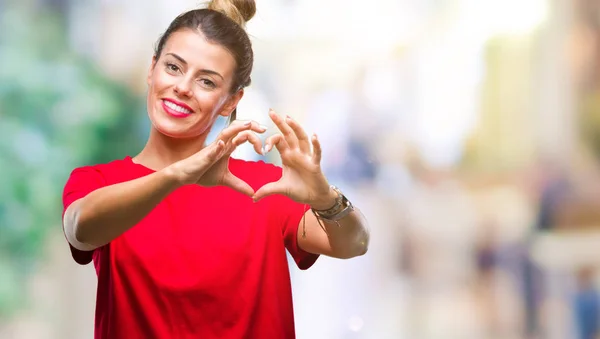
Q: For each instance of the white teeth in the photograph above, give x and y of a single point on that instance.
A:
(177, 108)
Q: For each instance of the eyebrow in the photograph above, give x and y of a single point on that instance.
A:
(207, 71)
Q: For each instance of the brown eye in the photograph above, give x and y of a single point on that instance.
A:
(207, 83)
(172, 68)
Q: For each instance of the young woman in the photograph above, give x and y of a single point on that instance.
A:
(186, 241)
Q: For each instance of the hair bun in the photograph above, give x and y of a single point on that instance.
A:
(240, 11)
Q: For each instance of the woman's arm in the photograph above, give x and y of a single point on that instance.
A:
(303, 181)
(106, 213)
(103, 215)
(345, 238)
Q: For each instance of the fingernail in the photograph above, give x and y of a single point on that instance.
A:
(268, 148)
(262, 126)
(249, 123)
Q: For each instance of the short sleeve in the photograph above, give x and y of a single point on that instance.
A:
(290, 213)
(81, 182)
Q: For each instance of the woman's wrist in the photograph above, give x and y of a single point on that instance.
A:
(172, 176)
(340, 208)
(325, 201)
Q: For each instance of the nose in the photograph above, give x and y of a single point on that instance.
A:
(183, 88)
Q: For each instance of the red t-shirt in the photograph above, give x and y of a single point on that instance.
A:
(207, 262)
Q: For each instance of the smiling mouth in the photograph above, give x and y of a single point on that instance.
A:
(173, 106)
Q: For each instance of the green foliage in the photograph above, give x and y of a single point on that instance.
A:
(57, 112)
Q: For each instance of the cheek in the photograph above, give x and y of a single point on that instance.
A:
(151, 99)
(210, 102)
(159, 81)
(158, 85)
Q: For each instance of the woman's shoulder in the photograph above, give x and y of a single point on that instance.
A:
(113, 168)
(105, 166)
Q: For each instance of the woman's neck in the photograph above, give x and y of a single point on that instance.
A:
(161, 150)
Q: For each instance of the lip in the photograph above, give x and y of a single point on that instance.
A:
(174, 113)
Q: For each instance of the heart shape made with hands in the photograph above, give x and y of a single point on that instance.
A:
(302, 179)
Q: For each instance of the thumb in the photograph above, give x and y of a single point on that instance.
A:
(212, 153)
(269, 189)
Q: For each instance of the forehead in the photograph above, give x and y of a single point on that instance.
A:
(200, 53)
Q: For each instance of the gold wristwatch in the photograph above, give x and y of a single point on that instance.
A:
(342, 207)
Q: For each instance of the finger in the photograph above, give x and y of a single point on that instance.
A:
(286, 130)
(232, 130)
(214, 152)
(301, 135)
(276, 140)
(249, 136)
(209, 155)
(238, 184)
(235, 128)
(269, 189)
(317, 151)
(256, 126)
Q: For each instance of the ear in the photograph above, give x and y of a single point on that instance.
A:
(150, 70)
(231, 103)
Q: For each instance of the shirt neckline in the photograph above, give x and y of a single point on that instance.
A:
(138, 165)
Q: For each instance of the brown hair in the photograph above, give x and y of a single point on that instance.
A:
(222, 22)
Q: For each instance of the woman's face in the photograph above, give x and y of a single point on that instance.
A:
(189, 85)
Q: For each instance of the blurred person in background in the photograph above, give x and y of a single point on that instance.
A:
(486, 266)
(186, 241)
(586, 304)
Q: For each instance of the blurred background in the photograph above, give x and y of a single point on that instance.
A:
(468, 131)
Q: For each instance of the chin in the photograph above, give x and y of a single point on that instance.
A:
(173, 130)
(177, 129)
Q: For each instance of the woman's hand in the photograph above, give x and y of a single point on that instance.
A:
(209, 167)
(302, 179)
